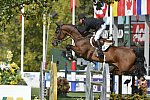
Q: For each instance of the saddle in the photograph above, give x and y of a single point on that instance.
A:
(104, 43)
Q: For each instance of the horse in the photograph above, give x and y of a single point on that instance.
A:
(123, 58)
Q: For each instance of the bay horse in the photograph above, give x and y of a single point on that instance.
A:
(123, 58)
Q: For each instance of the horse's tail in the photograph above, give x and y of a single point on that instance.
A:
(139, 64)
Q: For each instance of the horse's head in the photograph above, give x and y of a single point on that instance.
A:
(66, 30)
(60, 35)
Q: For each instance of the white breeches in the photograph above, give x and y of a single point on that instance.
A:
(99, 32)
(103, 27)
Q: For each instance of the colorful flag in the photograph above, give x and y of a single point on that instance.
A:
(115, 7)
(134, 8)
(21, 18)
(121, 8)
(138, 32)
(125, 8)
(148, 6)
(100, 13)
(129, 7)
(141, 7)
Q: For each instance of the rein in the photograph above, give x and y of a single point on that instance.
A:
(66, 39)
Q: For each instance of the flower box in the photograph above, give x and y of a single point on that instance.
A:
(15, 92)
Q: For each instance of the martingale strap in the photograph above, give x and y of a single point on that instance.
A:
(91, 53)
(91, 41)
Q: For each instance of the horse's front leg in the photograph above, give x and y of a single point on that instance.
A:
(74, 48)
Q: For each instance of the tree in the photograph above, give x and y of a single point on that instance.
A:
(11, 30)
(10, 27)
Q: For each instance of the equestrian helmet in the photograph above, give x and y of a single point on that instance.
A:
(80, 16)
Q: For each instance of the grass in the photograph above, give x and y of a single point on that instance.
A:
(70, 95)
(35, 91)
(80, 94)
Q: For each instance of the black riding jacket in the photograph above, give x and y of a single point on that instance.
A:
(91, 23)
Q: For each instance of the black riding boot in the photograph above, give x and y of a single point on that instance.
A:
(100, 52)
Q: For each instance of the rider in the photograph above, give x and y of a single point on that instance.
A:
(93, 23)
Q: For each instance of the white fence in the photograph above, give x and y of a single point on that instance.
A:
(32, 79)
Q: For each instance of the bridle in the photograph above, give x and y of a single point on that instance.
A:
(59, 31)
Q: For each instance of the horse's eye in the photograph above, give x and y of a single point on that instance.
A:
(57, 31)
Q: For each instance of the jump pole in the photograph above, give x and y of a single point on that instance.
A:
(89, 87)
(73, 76)
(146, 43)
(106, 82)
(53, 82)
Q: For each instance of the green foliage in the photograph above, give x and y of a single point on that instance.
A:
(10, 27)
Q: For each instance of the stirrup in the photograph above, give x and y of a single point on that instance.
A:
(100, 54)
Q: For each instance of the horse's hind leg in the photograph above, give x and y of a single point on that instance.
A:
(112, 69)
(115, 71)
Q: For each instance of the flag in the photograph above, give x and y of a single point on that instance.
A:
(148, 6)
(71, 4)
(129, 7)
(141, 7)
(118, 8)
(138, 32)
(100, 13)
(115, 7)
(20, 18)
(121, 8)
(134, 8)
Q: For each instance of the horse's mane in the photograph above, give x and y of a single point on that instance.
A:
(86, 35)
(72, 26)
(75, 26)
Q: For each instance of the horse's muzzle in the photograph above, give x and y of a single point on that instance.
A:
(55, 42)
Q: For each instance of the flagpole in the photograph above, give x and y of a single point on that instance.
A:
(73, 66)
(73, 21)
(111, 18)
(22, 39)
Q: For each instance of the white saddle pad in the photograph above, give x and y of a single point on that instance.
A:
(106, 46)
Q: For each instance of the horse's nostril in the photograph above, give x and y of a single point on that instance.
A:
(53, 44)
(58, 41)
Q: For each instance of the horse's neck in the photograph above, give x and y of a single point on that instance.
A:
(74, 33)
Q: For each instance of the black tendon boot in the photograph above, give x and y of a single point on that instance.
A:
(100, 52)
